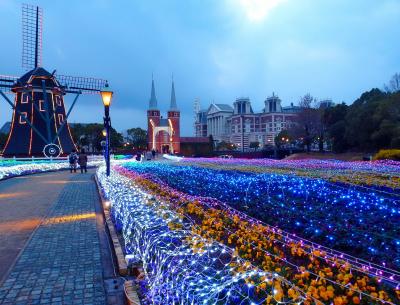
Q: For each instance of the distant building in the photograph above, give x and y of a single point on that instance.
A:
(163, 133)
(326, 104)
(200, 124)
(240, 125)
(217, 118)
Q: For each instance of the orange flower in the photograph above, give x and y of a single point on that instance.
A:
(338, 301)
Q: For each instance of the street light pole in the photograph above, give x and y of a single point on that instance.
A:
(242, 121)
(106, 95)
(107, 125)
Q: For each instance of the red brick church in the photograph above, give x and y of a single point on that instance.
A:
(163, 133)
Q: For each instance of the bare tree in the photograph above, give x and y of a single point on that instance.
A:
(394, 84)
(309, 122)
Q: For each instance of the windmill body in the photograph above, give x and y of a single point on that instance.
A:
(39, 123)
(38, 105)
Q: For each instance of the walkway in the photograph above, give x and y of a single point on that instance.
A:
(62, 261)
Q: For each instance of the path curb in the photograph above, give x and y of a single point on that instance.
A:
(122, 266)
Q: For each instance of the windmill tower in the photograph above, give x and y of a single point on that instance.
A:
(39, 121)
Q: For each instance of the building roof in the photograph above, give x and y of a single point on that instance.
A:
(291, 108)
(39, 71)
(153, 99)
(173, 105)
(224, 107)
(214, 108)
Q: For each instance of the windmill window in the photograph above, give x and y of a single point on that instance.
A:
(58, 100)
(41, 106)
(22, 118)
(60, 118)
(25, 99)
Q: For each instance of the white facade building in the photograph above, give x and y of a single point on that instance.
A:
(241, 126)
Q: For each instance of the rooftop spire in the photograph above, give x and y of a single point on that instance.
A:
(173, 105)
(153, 99)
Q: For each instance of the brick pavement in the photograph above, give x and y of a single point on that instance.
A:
(24, 201)
(61, 263)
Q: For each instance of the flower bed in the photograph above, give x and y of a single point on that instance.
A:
(324, 274)
(182, 267)
(10, 169)
(379, 175)
(360, 223)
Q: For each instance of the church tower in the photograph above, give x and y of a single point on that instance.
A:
(173, 120)
(163, 134)
(153, 117)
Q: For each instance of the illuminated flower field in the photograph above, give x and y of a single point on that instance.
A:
(181, 266)
(12, 168)
(331, 240)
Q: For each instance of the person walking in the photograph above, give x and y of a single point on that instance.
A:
(82, 160)
(72, 158)
(148, 155)
(138, 156)
(153, 153)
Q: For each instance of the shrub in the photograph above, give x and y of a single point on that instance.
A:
(391, 154)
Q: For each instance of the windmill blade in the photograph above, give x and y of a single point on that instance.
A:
(32, 27)
(87, 85)
(6, 82)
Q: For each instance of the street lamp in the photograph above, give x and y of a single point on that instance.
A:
(106, 96)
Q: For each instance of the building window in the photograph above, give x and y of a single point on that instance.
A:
(60, 118)
(58, 100)
(24, 99)
(41, 106)
(22, 118)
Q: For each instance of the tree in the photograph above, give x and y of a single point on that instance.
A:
(254, 145)
(360, 122)
(3, 140)
(373, 121)
(387, 119)
(226, 146)
(137, 137)
(91, 135)
(334, 120)
(309, 121)
(283, 138)
(394, 84)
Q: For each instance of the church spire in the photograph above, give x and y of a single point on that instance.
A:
(153, 99)
(173, 105)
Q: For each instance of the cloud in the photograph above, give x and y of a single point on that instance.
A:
(228, 63)
(257, 10)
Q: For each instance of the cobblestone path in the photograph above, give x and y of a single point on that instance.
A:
(61, 263)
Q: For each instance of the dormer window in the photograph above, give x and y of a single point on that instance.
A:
(24, 99)
(41, 106)
(22, 118)
(60, 119)
(58, 100)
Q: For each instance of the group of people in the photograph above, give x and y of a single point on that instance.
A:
(80, 158)
(149, 155)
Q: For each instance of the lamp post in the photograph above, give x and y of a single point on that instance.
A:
(106, 96)
(242, 123)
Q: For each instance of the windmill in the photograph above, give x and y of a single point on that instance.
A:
(39, 121)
